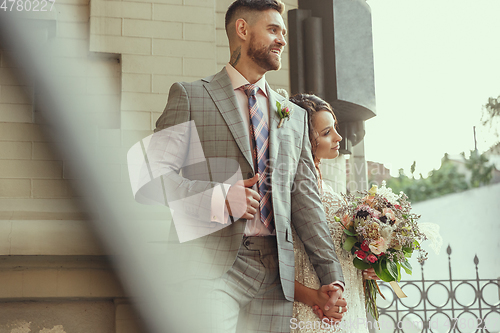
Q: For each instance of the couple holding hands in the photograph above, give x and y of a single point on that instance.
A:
(274, 262)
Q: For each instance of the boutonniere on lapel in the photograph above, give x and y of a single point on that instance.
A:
(284, 110)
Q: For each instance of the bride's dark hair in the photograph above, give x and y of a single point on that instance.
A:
(313, 104)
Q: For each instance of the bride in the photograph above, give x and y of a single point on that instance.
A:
(340, 318)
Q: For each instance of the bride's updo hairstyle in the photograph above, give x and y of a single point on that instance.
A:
(312, 104)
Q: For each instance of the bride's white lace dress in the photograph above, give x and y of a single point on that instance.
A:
(354, 319)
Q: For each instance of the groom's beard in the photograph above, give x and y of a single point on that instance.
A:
(263, 56)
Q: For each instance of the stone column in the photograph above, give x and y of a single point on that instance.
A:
(358, 176)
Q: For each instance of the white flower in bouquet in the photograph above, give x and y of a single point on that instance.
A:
(387, 193)
(386, 231)
(378, 246)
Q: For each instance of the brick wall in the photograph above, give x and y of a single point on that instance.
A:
(31, 177)
(160, 43)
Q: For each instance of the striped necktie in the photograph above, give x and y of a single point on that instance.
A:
(260, 131)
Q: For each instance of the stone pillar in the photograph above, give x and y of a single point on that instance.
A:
(358, 175)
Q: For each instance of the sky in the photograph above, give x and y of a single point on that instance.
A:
(436, 63)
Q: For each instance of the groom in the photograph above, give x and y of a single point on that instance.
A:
(241, 277)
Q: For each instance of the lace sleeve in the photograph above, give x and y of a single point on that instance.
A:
(331, 202)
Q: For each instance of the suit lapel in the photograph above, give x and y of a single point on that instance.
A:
(221, 91)
(274, 120)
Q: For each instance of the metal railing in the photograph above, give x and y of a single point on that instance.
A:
(441, 308)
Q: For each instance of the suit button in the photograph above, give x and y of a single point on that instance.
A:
(247, 242)
(249, 175)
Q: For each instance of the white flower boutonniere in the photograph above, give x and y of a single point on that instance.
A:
(284, 110)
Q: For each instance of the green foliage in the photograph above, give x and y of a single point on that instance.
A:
(407, 267)
(392, 269)
(445, 180)
(399, 272)
(349, 243)
(491, 111)
(278, 106)
(408, 251)
(360, 264)
(380, 267)
(481, 170)
(349, 233)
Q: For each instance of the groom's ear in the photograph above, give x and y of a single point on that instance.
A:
(242, 26)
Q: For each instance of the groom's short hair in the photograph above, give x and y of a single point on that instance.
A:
(240, 8)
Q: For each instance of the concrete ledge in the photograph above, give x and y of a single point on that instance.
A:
(48, 237)
(50, 277)
(58, 317)
(40, 205)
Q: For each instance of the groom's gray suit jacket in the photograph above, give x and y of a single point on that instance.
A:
(212, 105)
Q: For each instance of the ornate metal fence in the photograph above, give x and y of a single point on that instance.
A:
(442, 306)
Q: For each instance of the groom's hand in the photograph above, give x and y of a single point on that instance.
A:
(327, 302)
(241, 200)
(333, 315)
(334, 292)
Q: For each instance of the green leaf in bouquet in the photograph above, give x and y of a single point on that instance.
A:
(360, 264)
(392, 268)
(349, 243)
(380, 267)
(350, 233)
(417, 244)
(407, 251)
(407, 267)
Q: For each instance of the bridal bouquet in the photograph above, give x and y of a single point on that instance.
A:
(381, 232)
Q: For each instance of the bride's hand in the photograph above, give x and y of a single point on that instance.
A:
(333, 315)
(369, 274)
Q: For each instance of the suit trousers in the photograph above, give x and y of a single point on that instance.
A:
(247, 298)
